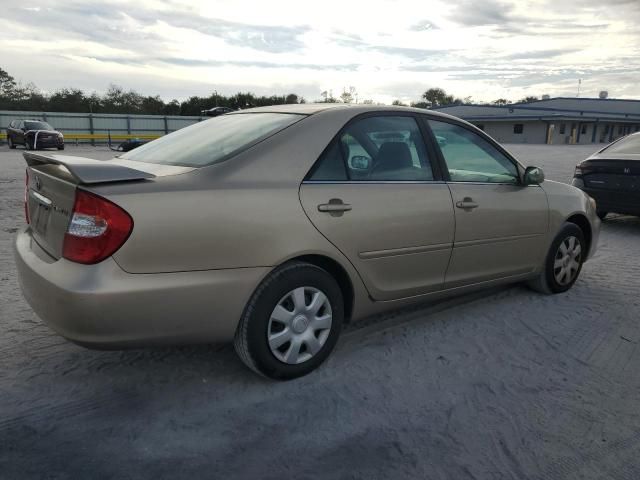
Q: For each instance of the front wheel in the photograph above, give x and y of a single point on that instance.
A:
(563, 262)
(291, 323)
(27, 146)
(10, 142)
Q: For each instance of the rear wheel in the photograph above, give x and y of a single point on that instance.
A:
(61, 147)
(601, 214)
(563, 262)
(291, 323)
(27, 145)
(10, 142)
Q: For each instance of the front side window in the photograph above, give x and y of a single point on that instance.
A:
(213, 140)
(471, 158)
(383, 148)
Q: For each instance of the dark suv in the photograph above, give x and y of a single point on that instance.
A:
(34, 134)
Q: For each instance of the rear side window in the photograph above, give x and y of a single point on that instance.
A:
(213, 140)
(378, 148)
(629, 144)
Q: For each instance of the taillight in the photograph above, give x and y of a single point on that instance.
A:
(26, 196)
(97, 229)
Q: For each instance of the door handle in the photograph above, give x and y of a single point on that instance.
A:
(467, 204)
(335, 207)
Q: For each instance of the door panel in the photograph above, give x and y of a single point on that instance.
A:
(397, 235)
(502, 236)
(500, 224)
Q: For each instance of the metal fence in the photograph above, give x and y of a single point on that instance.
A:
(98, 127)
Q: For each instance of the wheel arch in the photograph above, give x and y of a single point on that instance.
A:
(583, 223)
(338, 272)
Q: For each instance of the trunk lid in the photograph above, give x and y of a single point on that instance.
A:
(51, 191)
(612, 174)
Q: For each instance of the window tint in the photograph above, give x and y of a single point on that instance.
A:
(213, 140)
(630, 144)
(330, 167)
(384, 148)
(470, 158)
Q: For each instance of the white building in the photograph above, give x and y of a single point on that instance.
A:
(554, 121)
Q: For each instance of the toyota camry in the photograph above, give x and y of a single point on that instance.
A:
(272, 227)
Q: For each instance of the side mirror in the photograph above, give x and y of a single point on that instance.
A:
(533, 176)
(359, 162)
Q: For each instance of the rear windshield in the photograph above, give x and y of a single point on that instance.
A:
(213, 140)
(37, 126)
(631, 144)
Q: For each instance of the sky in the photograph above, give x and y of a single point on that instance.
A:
(385, 49)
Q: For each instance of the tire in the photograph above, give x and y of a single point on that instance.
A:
(61, 147)
(601, 214)
(261, 323)
(551, 280)
(12, 145)
(26, 145)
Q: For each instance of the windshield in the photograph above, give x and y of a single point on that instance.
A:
(37, 126)
(631, 144)
(213, 140)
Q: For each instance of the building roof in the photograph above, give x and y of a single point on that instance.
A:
(561, 108)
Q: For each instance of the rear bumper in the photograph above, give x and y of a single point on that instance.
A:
(611, 200)
(103, 306)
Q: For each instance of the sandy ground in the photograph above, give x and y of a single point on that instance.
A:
(507, 384)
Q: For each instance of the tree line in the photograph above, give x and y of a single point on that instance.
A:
(438, 97)
(16, 96)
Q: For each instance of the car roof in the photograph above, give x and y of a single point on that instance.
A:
(313, 108)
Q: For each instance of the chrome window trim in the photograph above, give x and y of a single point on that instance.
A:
(494, 183)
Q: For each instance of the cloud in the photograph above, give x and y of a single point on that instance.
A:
(541, 54)
(423, 25)
(488, 49)
(487, 12)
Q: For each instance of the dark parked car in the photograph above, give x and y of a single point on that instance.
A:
(215, 111)
(34, 135)
(612, 177)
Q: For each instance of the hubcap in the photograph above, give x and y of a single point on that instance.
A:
(567, 261)
(299, 325)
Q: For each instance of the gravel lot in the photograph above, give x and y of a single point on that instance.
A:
(507, 384)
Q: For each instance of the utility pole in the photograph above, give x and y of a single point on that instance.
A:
(579, 84)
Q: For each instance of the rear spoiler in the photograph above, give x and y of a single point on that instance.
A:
(87, 170)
